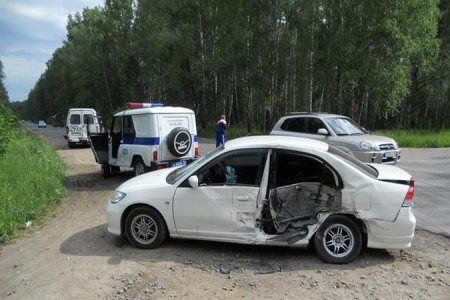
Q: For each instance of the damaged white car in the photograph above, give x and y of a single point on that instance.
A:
(270, 190)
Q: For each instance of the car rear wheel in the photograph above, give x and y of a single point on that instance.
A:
(338, 240)
(139, 167)
(145, 228)
(106, 170)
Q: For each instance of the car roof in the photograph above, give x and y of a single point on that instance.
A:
(156, 110)
(316, 114)
(78, 109)
(275, 141)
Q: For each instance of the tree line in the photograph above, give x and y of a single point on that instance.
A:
(384, 63)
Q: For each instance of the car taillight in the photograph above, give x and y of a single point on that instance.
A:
(155, 155)
(409, 194)
(196, 153)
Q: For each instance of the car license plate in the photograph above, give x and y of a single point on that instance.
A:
(390, 154)
(178, 163)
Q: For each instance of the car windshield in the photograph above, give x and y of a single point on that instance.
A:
(177, 174)
(345, 126)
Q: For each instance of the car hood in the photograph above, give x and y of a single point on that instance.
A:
(352, 141)
(388, 172)
(369, 138)
(151, 179)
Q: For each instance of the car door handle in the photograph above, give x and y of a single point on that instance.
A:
(243, 198)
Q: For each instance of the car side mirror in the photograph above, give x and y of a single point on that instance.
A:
(193, 181)
(322, 131)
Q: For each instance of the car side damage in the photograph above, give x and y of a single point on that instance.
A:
(300, 188)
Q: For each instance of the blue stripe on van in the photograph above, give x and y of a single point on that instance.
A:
(151, 141)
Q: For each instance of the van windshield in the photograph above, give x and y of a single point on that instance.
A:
(75, 119)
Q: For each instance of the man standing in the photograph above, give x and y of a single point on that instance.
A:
(221, 128)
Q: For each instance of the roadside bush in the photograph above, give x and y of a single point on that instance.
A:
(419, 138)
(31, 181)
(8, 122)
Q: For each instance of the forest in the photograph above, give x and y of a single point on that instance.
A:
(384, 63)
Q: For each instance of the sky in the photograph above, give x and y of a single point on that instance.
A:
(30, 31)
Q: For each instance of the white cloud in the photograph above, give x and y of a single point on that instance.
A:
(21, 75)
(30, 31)
(54, 15)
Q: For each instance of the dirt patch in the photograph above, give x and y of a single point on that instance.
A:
(72, 256)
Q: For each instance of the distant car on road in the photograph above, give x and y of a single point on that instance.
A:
(42, 124)
(270, 190)
(341, 132)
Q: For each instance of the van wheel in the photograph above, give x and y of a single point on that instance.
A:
(70, 145)
(179, 141)
(106, 170)
(338, 240)
(139, 167)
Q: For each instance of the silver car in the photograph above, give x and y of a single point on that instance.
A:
(342, 132)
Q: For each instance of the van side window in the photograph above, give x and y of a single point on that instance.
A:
(117, 125)
(128, 127)
(75, 119)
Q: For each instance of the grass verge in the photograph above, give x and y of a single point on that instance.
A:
(419, 138)
(31, 182)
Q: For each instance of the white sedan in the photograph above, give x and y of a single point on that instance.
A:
(270, 190)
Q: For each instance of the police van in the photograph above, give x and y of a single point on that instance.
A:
(79, 122)
(145, 137)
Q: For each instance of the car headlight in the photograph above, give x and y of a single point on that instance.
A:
(117, 197)
(368, 146)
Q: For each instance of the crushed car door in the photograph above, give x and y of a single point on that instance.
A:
(300, 187)
(224, 204)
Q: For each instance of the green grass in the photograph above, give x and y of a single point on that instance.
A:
(31, 182)
(419, 138)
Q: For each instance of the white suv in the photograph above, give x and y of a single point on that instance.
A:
(147, 136)
(341, 132)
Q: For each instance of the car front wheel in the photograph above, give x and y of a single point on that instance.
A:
(145, 228)
(338, 240)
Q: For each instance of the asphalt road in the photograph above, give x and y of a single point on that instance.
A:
(431, 171)
(429, 167)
